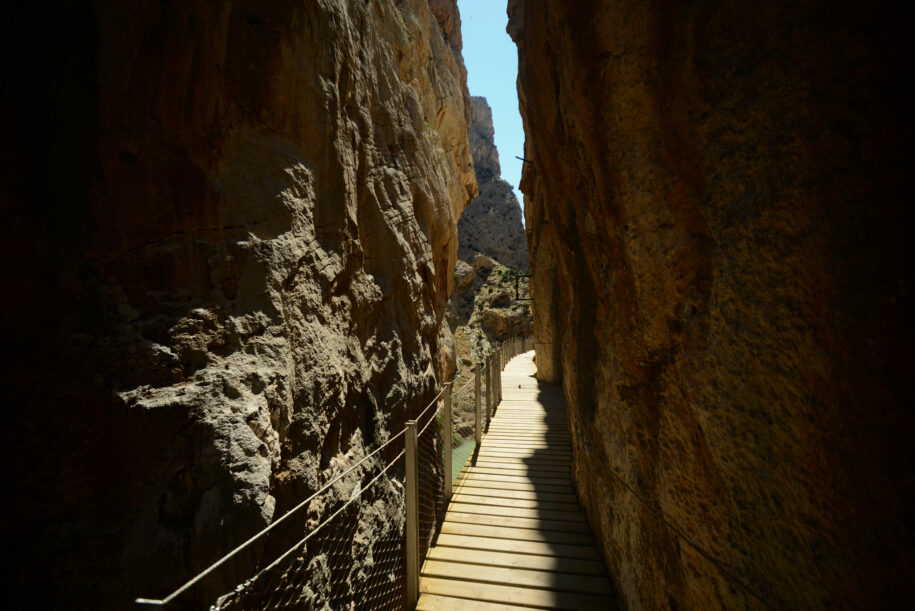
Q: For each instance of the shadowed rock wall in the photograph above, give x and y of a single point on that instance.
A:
(491, 224)
(721, 280)
(230, 237)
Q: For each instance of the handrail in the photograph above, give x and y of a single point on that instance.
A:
(197, 578)
(324, 523)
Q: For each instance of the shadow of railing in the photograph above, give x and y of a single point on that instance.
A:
(517, 529)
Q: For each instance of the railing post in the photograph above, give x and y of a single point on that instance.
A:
(412, 527)
(499, 369)
(446, 420)
(477, 416)
(489, 393)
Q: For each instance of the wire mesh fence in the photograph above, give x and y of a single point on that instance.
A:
(431, 483)
(354, 559)
(352, 553)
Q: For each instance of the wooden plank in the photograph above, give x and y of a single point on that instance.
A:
(511, 438)
(532, 454)
(524, 445)
(523, 503)
(499, 447)
(530, 430)
(533, 424)
(434, 602)
(516, 534)
(518, 512)
(528, 578)
(470, 481)
(540, 420)
(526, 431)
(562, 488)
(533, 495)
(493, 447)
(540, 482)
(534, 462)
(518, 433)
(521, 465)
(524, 434)
(535, 548)
(472, 518)
(533, 408)
(537, 427)
(519, 561)
(495, 443)
(514, 431)
(519, 470)
(544, 599)
(538, 417)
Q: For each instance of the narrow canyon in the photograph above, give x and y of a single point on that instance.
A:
(234, 269)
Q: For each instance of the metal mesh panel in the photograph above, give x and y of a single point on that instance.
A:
(354, 560)
(352, 551)
(431, 484)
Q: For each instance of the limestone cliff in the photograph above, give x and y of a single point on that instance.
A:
(721, 280)
(231, 235)
(491, 224)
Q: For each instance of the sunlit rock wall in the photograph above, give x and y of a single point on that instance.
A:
(721, 281)
(491, 224)
(230, 236)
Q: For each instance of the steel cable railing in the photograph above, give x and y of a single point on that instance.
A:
(357, 556)
(336, 565)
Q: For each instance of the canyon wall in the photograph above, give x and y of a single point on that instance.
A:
(491, 224)
(721, 279)
(230, 238)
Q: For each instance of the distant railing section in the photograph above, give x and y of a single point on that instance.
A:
(362, 538)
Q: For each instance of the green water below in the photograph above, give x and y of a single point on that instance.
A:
(459, 456)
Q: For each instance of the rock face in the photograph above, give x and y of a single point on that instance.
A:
(491, 224)
(231, 234)
(722, 283)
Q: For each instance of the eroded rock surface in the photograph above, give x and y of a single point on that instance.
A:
(491, 224)
(721, 273)
(230, 241)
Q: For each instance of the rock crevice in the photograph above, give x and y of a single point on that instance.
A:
(491, 225)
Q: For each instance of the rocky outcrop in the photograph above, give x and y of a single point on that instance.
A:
(716, 213)
(489, 305)
(491, 224)
(230, 241)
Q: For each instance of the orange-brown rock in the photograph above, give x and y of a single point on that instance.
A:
(230, 237)
(721, 279)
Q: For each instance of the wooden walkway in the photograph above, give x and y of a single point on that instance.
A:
(514, 535)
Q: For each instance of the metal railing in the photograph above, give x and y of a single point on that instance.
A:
(363, 536)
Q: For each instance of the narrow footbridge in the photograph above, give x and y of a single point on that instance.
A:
(393, 530)
(514, 533)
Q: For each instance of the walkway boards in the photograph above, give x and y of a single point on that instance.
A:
(514, 536)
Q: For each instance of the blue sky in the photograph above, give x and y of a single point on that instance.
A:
(492, 69)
